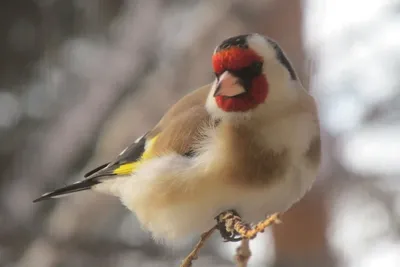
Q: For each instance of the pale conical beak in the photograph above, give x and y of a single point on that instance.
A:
(228, 85)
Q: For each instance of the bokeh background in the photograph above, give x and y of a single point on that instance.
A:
(79, 80)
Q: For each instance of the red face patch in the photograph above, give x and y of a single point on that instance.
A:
(245, 102)
(233, 59)
(236, 59)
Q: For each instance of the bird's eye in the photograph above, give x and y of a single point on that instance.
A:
(256, 67)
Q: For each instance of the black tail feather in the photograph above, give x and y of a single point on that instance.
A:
(76, 187)
(96, 170)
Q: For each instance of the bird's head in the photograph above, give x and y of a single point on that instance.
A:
(251, 72)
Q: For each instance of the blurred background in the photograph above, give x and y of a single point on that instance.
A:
(79, 80)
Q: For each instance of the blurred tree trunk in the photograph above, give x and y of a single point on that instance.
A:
(301, 239)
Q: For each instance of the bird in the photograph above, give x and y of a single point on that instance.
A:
(247, 141)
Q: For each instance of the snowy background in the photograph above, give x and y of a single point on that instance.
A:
(79, 80)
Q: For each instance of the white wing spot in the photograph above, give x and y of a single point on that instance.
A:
(138, 140)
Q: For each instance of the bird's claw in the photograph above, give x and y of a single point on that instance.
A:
(225, 224)
(233, 229)
(228, 236)
(237, 239)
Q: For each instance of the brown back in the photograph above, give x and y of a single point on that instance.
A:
(181, 126)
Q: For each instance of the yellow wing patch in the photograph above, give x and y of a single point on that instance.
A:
(130, 167)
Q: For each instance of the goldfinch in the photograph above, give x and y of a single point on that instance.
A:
(249, 141)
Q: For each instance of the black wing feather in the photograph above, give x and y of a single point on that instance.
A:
(131, 154)
(96, 170)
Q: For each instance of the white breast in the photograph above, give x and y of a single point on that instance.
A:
(295, 133)
(174, 197)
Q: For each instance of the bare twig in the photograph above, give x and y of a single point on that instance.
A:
(187, 262)
(260, 227)
(230, 224)
(243, 253)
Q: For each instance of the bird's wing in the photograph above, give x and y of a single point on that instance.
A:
(177, 132)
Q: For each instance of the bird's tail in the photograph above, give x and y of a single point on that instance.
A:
(93, 177)
(69, 189)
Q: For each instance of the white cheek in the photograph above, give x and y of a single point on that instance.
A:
(262, 47)
(276, 74)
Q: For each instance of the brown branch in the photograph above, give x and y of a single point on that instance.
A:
(230, 224)
(250, 233)
(243, 253)
(193, 255)
(234, 225)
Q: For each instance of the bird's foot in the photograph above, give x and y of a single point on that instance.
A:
(232, 228)
(227, 223)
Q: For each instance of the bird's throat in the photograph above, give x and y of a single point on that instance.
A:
(246, 101)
